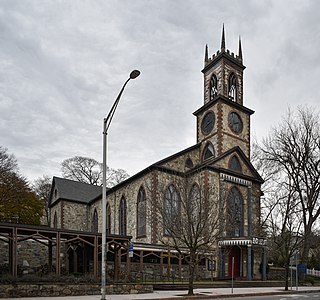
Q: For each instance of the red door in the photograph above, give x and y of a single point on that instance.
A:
(236, 253)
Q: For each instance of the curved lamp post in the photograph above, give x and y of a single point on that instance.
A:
(106, 124)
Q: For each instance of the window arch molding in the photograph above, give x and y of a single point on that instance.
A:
(235, 213)
(123, 216)
(232, 87)
(213, 87)
(141, 212)
(208, 151)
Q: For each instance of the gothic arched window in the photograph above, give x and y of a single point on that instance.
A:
(108, 221)
(189, 163)
(141, 212)
(234, 164)
(208, 152)
(171, 209)
(55, 220)
(123, 217)
(235, 213)
(95, 221)
(232, 87)
(194, 204)
(213, 87)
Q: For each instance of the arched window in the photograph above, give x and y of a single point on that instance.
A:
(194, 204)
(213, 87)
(234, 164)
(208, 152)
(108, 213)
(189, 163)
(141, 213)
(235, 213)
(55, 220)
(95, 221)
(123, 217)
(171, 209)
(232, 87)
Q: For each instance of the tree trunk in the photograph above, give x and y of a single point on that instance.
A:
(306, 244)
(191, 273)
(286, 287)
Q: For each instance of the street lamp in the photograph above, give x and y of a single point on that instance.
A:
(106, 124)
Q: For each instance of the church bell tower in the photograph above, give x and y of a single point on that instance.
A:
(223, 122)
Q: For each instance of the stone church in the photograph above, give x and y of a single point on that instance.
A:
(220, 156)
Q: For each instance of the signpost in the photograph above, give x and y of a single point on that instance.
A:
(300, 268)
(232, 274)
(130, 249)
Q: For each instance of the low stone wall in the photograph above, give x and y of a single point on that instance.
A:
(51, 290)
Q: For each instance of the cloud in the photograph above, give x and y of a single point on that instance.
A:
(62, 64)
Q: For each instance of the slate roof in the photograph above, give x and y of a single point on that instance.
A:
(74, 190)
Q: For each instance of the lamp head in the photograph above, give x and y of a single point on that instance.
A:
(134, 74)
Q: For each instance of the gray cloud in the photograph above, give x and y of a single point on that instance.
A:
(62, 64)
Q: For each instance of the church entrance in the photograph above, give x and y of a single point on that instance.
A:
(235, 253)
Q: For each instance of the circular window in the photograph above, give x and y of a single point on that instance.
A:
(208, 122)
(235, 122)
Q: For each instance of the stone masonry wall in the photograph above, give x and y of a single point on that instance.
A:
(60, 290)
(75, 216)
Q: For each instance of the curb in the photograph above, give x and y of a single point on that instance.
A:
(199, 297)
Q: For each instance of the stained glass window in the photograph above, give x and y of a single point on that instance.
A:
(123, 217)
(235, 213)
(141, 212)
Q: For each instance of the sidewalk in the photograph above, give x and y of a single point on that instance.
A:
(201, 294)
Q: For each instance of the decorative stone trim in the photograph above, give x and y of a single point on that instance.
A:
(236, 180)
(244, 242)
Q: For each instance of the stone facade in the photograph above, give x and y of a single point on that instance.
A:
(219, 163)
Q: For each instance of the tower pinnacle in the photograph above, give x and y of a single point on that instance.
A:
(240, 49)
(223, 42)
(206, 54)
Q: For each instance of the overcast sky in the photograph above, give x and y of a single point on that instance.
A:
(64, 62)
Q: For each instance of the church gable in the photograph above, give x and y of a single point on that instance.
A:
(74, 191)
(236, 162)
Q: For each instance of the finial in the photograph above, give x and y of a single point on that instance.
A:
(240, 48)
(223, 42)
(206, 54)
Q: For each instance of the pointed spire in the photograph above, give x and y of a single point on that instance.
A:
(206, 58)
(223, 41)
(240, 48)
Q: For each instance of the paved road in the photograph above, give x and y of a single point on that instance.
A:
(211, 293)
(307, 296)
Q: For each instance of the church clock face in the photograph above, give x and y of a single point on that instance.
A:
(208, 122)
(235, 122)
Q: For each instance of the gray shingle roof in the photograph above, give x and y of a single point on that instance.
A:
(76, 191)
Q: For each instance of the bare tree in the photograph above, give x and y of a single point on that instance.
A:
(42, 188)
(115, 176)
(284, 227)
(88, 170)
(293, 150)
(8, 162)
(83, 169)
(187, 217)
